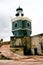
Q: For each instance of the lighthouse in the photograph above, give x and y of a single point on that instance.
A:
(21, 29)
(21, 26)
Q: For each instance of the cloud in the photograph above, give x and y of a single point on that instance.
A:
(32, 9)
(5, 27)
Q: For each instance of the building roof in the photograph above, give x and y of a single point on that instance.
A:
(19, 9)
(21, 18)
(37, 35)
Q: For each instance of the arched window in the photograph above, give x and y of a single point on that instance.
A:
(25, 32)
(28, 24)
(15, 24)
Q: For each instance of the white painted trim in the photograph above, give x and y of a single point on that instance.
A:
(20, 18)
(22, 29)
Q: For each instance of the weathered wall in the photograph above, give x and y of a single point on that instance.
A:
(37, 42)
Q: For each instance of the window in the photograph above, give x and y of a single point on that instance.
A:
(15, 24)
(15, 33)
(28, 24)
(25, 32)
(17, 14)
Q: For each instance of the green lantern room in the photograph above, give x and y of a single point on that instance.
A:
(21, 26)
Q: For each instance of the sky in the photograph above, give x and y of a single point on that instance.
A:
(32, 9)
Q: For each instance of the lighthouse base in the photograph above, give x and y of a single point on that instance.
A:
(20, 46)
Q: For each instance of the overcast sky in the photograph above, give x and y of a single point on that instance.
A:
(32, 9)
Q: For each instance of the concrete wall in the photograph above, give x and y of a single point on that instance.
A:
(36, 42)
(32, 42)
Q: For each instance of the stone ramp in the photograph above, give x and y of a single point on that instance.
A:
(18, 59)
(12, 62)
(31, 59)
(5, 50)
